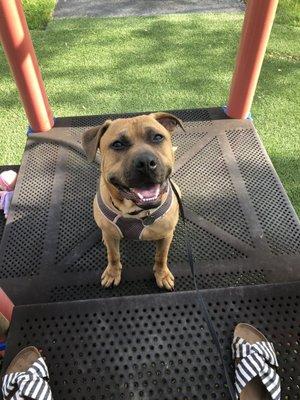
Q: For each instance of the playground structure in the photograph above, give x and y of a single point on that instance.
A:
(21, 56)
(51, 253)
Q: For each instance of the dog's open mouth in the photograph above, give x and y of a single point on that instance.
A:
(147, 195)
(144, 197)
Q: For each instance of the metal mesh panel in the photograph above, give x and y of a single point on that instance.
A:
(2, 224)
(58, 242)
(95, 257)
(231, 278)
(21, 254)
(148, 286)
(94, 290)
(184, 141)
(76, 219)
(275, 216)
(155, 346)
(214, 196)
(205, 245)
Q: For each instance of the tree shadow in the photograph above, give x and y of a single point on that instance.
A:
(116, 65)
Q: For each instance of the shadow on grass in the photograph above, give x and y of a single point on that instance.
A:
(137, 64)
(164, 58)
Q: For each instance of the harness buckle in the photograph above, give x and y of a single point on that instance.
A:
(149, 220)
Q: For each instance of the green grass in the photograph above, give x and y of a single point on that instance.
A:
(93, 66)
(288, 12)
(38, 12)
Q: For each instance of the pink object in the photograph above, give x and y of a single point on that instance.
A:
(8, 180)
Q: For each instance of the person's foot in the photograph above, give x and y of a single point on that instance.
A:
(255, 365)
(27, 377)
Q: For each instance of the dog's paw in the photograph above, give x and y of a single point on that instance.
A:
(165, 279)
(111, 276)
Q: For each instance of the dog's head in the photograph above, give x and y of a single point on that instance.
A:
(136, 155)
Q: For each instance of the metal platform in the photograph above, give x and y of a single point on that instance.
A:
(155, 346)
(243, 227)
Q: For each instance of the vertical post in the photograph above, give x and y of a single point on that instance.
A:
(6, 309)
(20, 53)
(258, 21)
(6, 305)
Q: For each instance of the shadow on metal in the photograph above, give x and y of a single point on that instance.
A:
(244, 230)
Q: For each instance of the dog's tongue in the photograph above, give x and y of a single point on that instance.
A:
(151, 192)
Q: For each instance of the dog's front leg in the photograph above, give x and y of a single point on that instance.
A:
(112, 273)
(164, 277)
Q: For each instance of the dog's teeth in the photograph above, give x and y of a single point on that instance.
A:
(147, 199)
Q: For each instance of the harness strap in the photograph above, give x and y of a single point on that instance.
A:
(132, 228)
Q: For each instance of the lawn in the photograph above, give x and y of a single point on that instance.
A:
(38, 12)
(95, 66)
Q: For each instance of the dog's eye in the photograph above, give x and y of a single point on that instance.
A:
(157, 138)
(118, 145)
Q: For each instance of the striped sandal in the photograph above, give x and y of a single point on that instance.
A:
(255, 358)
(27, 377)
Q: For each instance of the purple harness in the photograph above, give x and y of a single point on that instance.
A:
(132, 228)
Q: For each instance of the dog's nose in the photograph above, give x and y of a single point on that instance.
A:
(145, 163)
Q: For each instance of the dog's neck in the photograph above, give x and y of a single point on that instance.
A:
(113, 199)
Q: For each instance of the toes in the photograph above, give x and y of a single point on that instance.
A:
(168, 282)
(117, 280)
(166, 285)
(103, 274)
(108, 278)
(171, 276)
(165, 280)
(159, 283)
(106, 281)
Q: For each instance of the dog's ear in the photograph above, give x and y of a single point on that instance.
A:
(91, 139)
(169, 121)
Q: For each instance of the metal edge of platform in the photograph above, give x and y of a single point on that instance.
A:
(214, 113)
(157, 299)
(206, 274)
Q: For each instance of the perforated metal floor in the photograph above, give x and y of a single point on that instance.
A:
(243, 227)
(156, 346)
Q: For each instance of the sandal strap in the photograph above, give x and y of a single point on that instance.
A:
(256, 360)
(32, 384)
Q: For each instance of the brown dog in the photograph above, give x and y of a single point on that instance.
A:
(135, 199)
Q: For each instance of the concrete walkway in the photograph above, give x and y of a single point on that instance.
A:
(118, 8)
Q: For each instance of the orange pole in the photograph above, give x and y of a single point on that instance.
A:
(6, 305)
(20, 53)
(6, 308)
(258, 21)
